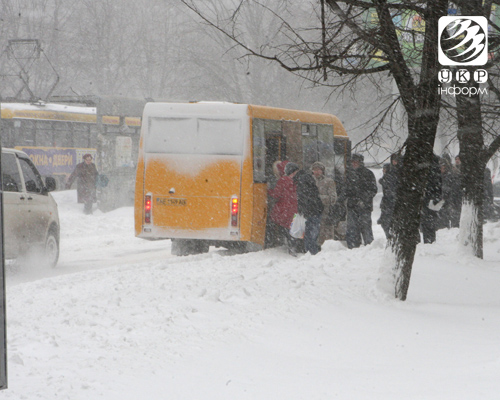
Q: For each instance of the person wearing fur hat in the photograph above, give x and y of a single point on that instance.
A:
(328, 195)
(309, 205)
(361, 188)
(449, 215)
(85, 174)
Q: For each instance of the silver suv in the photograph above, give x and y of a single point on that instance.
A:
(31, 219)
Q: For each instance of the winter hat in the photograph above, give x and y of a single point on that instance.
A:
(395, 156)
(357, 157)
(290, 168)
(318, 165)
(281, 167)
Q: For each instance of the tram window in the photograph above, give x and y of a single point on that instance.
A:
(7, 129)
(81, 135)
(94, 133)
(26, 132)
(62, 134)
(43, 133)
(81, 138)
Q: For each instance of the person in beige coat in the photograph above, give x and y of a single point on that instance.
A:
(328, 195)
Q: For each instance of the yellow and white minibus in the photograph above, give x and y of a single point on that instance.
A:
(203, 169)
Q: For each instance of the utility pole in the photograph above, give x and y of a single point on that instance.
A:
(3, 327)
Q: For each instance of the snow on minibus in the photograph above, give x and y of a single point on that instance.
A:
(203, 169)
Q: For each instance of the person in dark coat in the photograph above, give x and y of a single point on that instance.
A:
(488, 195)
(328, 194)
(389, 183)
(361, 188)
(431, 202)
(449, 215)
(285, 207)
(85, 174)
(337, 214)
(309, 205)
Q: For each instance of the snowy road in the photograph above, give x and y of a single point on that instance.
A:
(120, 318)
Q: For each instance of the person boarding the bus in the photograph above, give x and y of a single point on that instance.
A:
(361, 188)
(284, 195)
(328, 195)
(85, 174)
(309, 205)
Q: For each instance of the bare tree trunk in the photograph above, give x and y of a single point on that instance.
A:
(472, 156)
(406, 218)
(423, 118)
(473, 163)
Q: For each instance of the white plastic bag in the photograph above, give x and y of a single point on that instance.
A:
(437, 206)
(298, 226)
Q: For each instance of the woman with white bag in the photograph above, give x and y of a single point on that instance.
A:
(309, 205)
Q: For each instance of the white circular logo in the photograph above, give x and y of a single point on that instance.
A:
(463, 40)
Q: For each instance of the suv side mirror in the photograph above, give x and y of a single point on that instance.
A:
(50, 184)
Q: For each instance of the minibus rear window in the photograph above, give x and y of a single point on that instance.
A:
(195, 136)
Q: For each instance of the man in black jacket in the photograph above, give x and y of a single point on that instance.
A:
(431, 202)
(309, 205)
(389, 183)
(361, 188)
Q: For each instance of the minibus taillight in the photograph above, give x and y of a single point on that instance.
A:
(147, 209)
(234, 211)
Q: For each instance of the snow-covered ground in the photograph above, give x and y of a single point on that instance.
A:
(120, 318)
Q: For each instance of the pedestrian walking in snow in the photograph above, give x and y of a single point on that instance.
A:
(361, 188)
(85, 174)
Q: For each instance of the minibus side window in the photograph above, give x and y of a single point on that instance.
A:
(342, 149)
(325, 147)
(310, 149)
(259, 151)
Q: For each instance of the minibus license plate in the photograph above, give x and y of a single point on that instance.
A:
(167, 201)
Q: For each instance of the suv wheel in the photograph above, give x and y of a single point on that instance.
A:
(51, 250)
